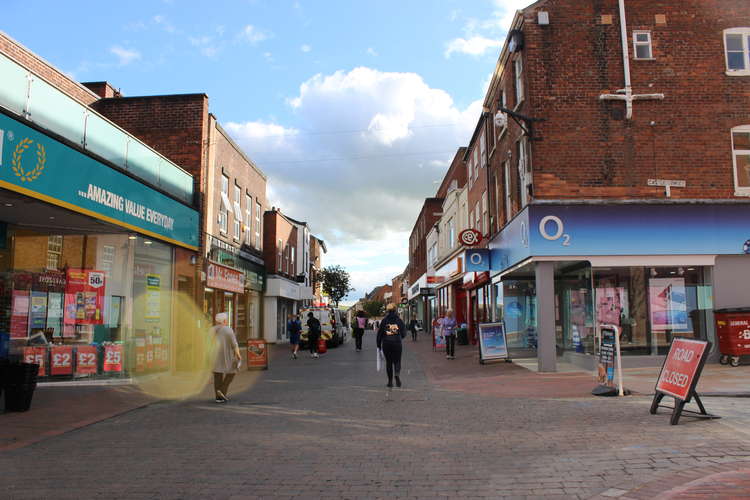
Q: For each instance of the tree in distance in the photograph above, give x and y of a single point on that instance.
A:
(335, 283)
(373, 308)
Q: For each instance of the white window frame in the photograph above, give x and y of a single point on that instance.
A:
(279, 255)
(485, 215)
(237, 208)
(482, 147)
(258, 226)
(477, 219)
(518, 76)
(54, 251)
(451, 233)
(508, 191)
(470, 167)
(249, 217)
(739, 190)
(109, 253)
(223, 216)
(648, 43)
(523, 172)
(745, 34)
(476, 163)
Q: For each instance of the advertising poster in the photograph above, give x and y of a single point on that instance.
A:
(113, 358)
(61, 360)
(38, 310)
(140, 355)
(257, 355)
(492, 342)
(38, 356)
(86, 359)
(153, 298)
(19, 318)
(438, 339)
(84, 297)
(680, 367)
(55, 313)
(668, 304)
(610, 303)
(149, 356)
(606, 362)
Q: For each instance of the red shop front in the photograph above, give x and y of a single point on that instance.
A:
(477, 287)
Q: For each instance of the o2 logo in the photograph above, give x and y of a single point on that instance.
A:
(558, 228)
(476, 258)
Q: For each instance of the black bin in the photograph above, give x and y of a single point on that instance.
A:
(19, 383)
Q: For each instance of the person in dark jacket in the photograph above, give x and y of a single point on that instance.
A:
(390, 333)
(413, 329)
(313, 334)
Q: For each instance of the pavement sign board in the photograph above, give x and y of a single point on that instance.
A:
(492, 342)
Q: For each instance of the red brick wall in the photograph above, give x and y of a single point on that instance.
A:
(276, 228)
(588, 149)
(457, 172)
(418, 252)
(37, 65)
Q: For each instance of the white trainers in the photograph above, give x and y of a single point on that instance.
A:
(316, 355)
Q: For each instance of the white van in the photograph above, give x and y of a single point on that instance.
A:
(333, 325)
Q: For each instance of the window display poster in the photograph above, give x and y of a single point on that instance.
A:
(606, 362)
(668, 303)
(84, 297)
(55, 313)
(38, 356)
(38, 310)
(438, 339)
(492, 342)
(113, 358)
(610, 303)
(86, 359)
(61, 360)
(153, 297)
(19, 318)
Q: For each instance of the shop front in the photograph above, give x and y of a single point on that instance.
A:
(479, 295)
(653, 271)
(449, 292)
(90, 261)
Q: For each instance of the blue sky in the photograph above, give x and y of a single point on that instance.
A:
(353, 109)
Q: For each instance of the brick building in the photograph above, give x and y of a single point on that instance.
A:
(230, 192)
(620, 141)
(318, 250)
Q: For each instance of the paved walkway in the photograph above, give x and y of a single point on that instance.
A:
(328, 428)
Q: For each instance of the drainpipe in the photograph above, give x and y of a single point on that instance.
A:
(626, 62)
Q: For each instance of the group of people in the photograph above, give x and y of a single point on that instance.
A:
(390, 332)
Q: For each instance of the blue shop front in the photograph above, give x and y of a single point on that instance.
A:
(654, 270)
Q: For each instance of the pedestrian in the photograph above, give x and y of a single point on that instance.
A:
(413, 329)
(313, 334)
(359, 329)
(390, 333)
(228, 357)
(448, 324)
(294, 327)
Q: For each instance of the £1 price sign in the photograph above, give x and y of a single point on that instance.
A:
(61, 357)
(680, 367)
(86, 359)
(37, 356)
(113, 358)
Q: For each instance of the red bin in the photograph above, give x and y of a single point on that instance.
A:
(733, 330)
(322, 345)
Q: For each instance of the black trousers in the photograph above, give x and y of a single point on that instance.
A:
(313, 340)
(450, 345)
(222, 381)
(392, 353)
(358, 334)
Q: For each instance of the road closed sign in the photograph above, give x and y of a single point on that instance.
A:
(680, 367)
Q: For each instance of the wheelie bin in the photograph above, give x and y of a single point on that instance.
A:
(733, 331)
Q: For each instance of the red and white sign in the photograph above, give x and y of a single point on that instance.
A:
(86, 359)
(38, 356)
(680, 367)
(84, 297)
(61, 360)
(433, 280)
(257, 354)
(113, 358)
(470, 237)
(224, 278)
(140, 355)
(19, 315)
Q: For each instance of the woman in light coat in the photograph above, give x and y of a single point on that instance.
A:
(228, 357)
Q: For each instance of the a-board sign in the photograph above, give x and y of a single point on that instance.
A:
(257, 355)
(680, 367)
(492, 342)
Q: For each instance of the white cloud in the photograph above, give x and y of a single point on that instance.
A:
(362, 156)
(477, 45)
(162, 21)
(206, 44)
(305, 48)
(252, 34)
(372, 52)
(125, 56)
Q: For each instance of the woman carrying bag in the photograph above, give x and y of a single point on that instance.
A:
(390, 333)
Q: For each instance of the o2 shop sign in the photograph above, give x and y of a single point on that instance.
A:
(551, 228)
(682, 363)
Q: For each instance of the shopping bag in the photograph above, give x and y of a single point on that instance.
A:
(378, 357)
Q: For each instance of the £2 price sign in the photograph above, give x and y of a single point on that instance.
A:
(680, 367)
(113, 358)
(86, 359)
(61, 360)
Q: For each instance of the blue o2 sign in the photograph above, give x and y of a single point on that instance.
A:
(477, 260)
(552, 228)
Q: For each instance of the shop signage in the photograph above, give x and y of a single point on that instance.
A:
(84, 297)
(52, 280)
(434, 280)
(36, 165)
(19, 315)
(470, 237)
(61, 360)
(257, 354)
(477, 260)
(86, 359)
(492, 342)
(426, 291)
(36, 355)
(224, 278)
(679, 376)
(113, 358)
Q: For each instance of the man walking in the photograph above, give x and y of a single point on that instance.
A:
(359, 329)
(313, 334)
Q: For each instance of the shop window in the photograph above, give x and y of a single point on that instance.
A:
(518, 66)
(642, 45)
(519, 313)
(54, 251)
(108, 259)
(741, 159)
(737, 51)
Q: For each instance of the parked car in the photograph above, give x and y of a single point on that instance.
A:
(333, 325)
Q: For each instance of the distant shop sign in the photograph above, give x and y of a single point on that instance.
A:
(224, 278)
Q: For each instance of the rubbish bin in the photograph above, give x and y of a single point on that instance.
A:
(733, 330)
(20, 383)
(462, 336)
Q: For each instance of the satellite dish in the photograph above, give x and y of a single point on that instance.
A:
(501, 120)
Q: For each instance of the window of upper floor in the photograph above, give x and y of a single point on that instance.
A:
(518, 81)
(741, 159)
(249, 219)
(642, 45)
(737, 51)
